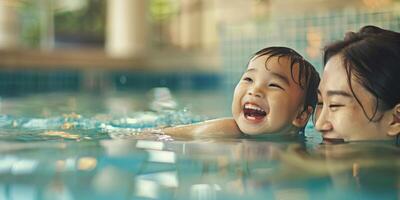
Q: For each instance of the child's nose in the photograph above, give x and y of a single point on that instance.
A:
(255, 92)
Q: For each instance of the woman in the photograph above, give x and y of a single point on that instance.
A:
(359, 94)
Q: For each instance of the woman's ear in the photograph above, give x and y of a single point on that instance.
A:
(302, 118)
(394, 125)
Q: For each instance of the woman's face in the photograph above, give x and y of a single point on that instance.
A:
(339, 116)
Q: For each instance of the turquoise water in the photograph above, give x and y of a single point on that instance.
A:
(74, 146)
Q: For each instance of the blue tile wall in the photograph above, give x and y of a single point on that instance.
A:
(23, 82)
(175, 81)
(240, 41)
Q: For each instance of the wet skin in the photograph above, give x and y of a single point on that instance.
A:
(266, 99)
(339, 116)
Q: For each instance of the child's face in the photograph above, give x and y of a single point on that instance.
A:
(266, 99)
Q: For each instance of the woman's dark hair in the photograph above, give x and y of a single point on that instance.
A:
(308, 78)
(372, 56)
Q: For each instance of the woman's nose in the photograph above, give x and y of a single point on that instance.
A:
(323, 124)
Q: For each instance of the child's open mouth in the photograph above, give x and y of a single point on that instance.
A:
(253, 112)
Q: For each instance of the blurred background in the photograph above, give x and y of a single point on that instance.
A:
(75, 73)
(188, 46)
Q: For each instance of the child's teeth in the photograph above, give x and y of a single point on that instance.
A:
(254, 107)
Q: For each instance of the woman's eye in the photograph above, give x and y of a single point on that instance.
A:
(273, 85)
(335, 106)
(320, 103)
(247, 79)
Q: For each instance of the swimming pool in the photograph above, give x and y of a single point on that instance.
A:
(78, 146)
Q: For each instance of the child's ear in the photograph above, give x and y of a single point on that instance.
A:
(394, 125)
(302, 118)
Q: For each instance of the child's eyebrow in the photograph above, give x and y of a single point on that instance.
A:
(251, 69)
(280, 76)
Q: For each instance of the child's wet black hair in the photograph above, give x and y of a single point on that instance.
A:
(308, 78)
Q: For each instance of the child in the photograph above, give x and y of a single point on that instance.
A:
(276, 94)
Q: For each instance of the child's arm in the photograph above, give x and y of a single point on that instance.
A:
(217, 128)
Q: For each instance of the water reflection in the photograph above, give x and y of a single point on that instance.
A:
(147, 189)
(204, 191)
(365, 167)
(109, 182)
(204, 169)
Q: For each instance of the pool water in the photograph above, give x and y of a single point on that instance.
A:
(75, 146)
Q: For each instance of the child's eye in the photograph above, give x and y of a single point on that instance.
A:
(248, 79)
(273, 85)
(320, 104)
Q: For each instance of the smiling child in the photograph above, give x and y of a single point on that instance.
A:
(276, 95)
